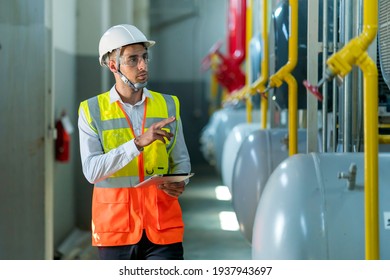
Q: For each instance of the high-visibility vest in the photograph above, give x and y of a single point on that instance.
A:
(119, 212)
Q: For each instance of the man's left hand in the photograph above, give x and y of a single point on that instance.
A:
(173, 189)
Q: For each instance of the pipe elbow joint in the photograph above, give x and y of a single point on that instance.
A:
(290, 79)
(341, 62)
(275, 81)
(368, 35)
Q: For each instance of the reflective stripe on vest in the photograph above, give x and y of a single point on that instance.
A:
(108, 120)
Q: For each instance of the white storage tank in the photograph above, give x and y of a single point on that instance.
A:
(230, 149)
(259, 154)
(309, 209)
(217, 130)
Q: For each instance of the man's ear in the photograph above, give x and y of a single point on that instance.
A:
(112, 66)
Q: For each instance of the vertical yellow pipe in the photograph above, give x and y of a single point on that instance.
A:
(283, 74)
(214, 93)
(292, 83)
(260, 84)
(264, 65)
(213, 83)
(263, 112)
(370, 73)
(248, 28)
(293, 114)
(225, 94)
(293, 40)
(249, 109)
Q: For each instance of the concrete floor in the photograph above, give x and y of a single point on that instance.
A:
(203, 239)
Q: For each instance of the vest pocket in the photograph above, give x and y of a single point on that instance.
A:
(156, 158)
(169, 213)
(110, 212)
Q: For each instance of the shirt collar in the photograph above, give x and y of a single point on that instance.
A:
(114, 95)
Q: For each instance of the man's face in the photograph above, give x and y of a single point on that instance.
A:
(134, 63)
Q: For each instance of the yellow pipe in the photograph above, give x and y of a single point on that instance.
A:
(213, 82)
(263, 112)
(384, 139)
(293, 113)
(283, 74)
(290, 80)
(341, 63)
(276, 80)
(249, 109)
(260, 84)
(225, 94)
(370, 74)
(249, 31)
(214, 93)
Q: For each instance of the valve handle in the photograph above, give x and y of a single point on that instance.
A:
(206, 61)
(313, 89)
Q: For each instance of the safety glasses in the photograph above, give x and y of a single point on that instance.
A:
(133, 60)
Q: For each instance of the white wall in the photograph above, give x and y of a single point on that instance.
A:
(24, 131)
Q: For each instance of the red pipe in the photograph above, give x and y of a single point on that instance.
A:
(236, 30)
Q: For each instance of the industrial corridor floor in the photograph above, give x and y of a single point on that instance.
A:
(211, 229)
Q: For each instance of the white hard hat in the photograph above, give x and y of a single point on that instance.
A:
(119, 36)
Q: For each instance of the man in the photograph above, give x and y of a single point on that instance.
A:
(127, 135)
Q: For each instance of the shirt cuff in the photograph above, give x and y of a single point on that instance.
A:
(131, 150)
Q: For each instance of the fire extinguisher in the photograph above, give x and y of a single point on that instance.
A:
(62, 144)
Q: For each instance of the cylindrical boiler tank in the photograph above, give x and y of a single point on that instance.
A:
(258, 155)
(309, 209)
(214, 135)
(230, 149)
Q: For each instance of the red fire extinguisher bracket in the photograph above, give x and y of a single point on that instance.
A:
(62, 143)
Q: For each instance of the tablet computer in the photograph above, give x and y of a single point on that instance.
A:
(159, 179)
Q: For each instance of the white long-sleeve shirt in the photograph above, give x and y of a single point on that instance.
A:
(98, 165)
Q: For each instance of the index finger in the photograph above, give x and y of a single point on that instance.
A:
(165, 122)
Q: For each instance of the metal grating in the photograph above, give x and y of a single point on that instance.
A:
(384, 39)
